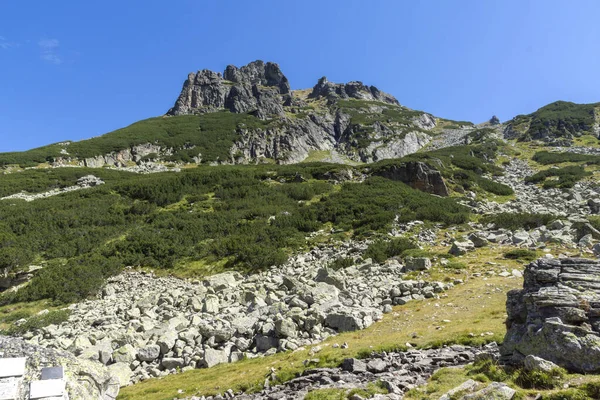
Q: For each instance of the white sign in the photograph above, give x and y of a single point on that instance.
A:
(48, 388)
(12, 367)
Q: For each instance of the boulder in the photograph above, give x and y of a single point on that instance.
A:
(214, 357)
(556, 316)
(354, 365)
(84, 379)
(417, 263)
(416, 174)
(461, 248)
(149, 353)
(122, 372)
(533, 363)
(124, 354)
(495, 391)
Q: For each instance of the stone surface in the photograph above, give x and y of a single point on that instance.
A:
(84, 379)
(417, 175)
(556, 316)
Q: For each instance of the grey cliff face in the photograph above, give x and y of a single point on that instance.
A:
(261, 89)
(419, 176)
(256, 88)
(556, 316)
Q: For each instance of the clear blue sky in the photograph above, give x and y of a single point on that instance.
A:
(76, 69)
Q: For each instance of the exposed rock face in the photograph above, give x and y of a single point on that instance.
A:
(417, 175)
(261, 89)
(355, 90)
(256, 88)
(85, 379)
(556, 316)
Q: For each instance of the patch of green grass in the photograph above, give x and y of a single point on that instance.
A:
(549, 158)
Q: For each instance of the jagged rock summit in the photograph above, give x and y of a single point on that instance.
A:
(257, 88)
(347, 120)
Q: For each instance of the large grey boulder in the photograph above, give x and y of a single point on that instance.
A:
(417, 175)
(149, 353)
(214, 357)
(461, 248)
(85, 379)
(556, 316)
(417, 263)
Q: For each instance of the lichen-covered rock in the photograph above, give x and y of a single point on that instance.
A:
(556, 316)
(86, 380)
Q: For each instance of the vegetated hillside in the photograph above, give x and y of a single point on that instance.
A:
(250, 114)
(560, 121)
(237, 217)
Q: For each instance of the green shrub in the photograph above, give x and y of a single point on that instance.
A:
(567, 394)
(381, 250)
(567, 176)
(514, 221)
(341, 263)
(521, 254)
(548, 158)
(455, 265)
(592, 389)
(39, 321)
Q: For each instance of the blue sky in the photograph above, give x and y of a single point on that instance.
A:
(76, 69)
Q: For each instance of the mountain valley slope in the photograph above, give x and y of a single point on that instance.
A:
(243, 251)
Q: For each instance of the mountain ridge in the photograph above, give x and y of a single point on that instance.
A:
(250, 114)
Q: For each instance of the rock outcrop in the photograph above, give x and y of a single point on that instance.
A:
(257, 88)
(85, 379)
(417, 175)
(556, 316)
(355, 90)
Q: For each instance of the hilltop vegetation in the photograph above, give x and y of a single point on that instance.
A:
(561, 119)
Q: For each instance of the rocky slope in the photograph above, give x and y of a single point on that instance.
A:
(157, 326)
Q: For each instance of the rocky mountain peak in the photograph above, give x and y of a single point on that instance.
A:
(354, 89)
(257, 88)
(258, 73)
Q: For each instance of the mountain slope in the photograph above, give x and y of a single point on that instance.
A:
(558, 122)
(250, 114)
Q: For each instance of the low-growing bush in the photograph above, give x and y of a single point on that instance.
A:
(567, 176)
(39, 321)
(548, 158)
(341, 263)
(521, 254)
(381, 250)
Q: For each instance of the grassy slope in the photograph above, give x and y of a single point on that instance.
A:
(474, 307)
